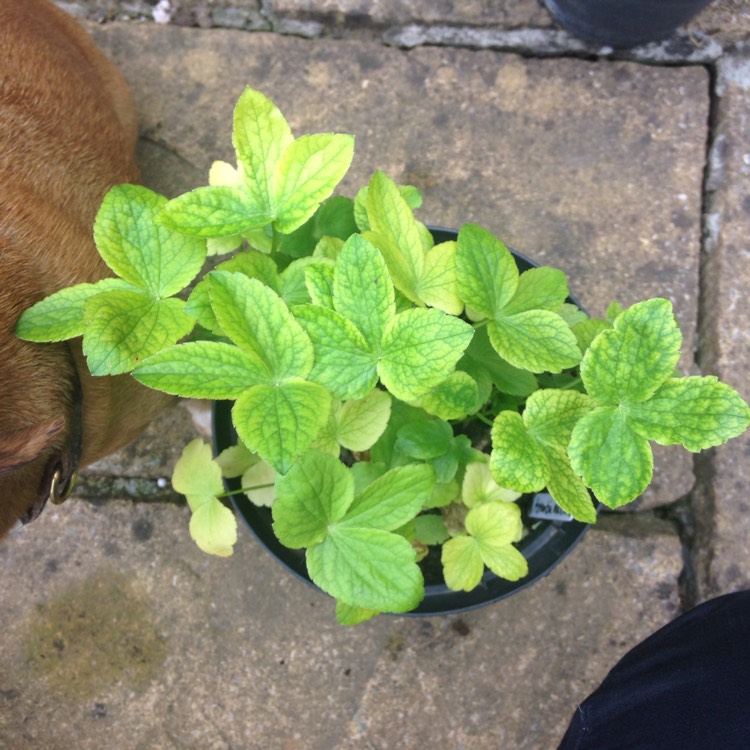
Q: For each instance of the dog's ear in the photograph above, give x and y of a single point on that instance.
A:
(25, 445)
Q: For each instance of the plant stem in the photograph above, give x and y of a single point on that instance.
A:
(245, 490)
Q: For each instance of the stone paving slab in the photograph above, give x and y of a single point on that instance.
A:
(117, 629)
(725, 21)
(119, 633)
(722, 503)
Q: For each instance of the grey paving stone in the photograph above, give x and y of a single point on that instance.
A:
(119, 633)
(594, 167)
(723, 501)
(384, 13)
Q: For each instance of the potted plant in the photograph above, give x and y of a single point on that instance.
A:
(394, 390)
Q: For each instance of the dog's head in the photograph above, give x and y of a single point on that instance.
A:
(38, 395)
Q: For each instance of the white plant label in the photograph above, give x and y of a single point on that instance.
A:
(544, 508)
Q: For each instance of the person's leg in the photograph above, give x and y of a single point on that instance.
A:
(685, 687)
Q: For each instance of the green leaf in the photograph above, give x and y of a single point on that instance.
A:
(566, 488)
(347, 614)
(438, 285)
(254, 265)
(307, 173)
(212, 526)
(479, 487)
(361, 422)
(280, 422)
(697, 412)
(550, 415)
(431, 529)
(391, 500)
(613, 459)
(213, 212)
(60, 316)
(487, 273)
(202, 369)
(257, 320)
(260, 136)
(517, 461)
(425, 439)
(124, 327)
(586, 331)
(420, 349)
(631, 361)
(535, 340)
(319, 283)
(396, 233)
(491, 528)
(136, 248)
(316, 492)
(454, 398)
(463, 566)
(198, 306)
(362, 288)
(443, 494)
(368, 568)
(259, 480)
(542, 288)
(507, 378)
(343, 362)
(235, 461)
(196, 475)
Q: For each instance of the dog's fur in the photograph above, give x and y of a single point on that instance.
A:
(67, 134)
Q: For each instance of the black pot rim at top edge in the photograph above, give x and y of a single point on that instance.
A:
(546, 544)
(623, 24)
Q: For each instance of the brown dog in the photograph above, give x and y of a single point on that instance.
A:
(67, 134)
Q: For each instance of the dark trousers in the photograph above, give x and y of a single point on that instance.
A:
(686, 687)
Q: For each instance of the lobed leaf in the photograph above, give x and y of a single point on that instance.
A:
(61, 315)
(479, 487)
(697, 412)
(396, 233)
(391, 500)
(535, 340)
(550, 415)
(631, 361)
(280, 422)
(517, 460)
(306, 174)
(361, 422)
(362, 288)
(368, 568)
(541, 288)
(487, 272)
(316, 492)
(611, 457)
(455, 398)
(213, 528)
(260, 136)
(202, 369)
(125, 327)
(463, 566)
(420, 349)
(256, 319)
(344, 362)
(214, 212)
(566, 487)
(438, 285)
(149, 256)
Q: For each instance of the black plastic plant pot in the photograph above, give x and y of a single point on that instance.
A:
(551, 534)
(623, 23)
